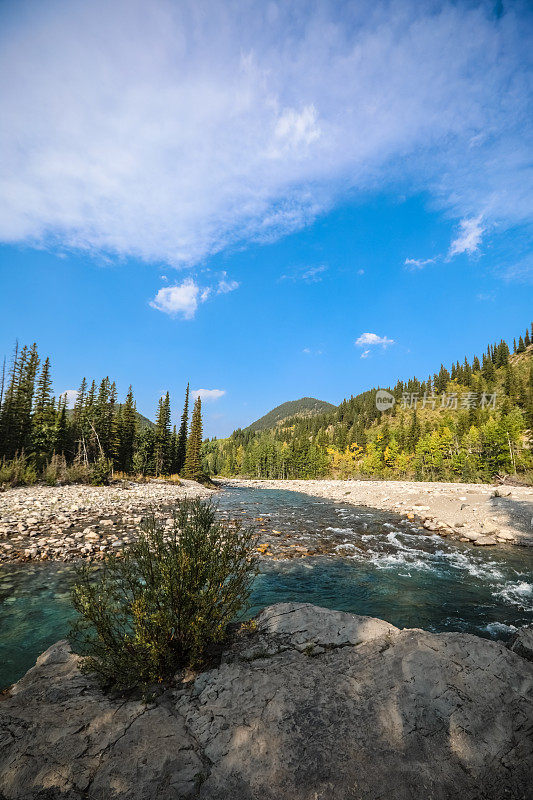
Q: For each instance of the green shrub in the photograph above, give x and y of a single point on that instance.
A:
(163, 602)
(56, 470)
(101, 471)
(17, 472)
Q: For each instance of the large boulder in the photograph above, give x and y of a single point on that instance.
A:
(308, 704)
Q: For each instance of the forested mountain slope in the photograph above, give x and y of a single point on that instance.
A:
(468, 422)
(304, 407)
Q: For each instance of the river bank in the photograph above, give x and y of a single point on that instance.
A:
(65, 523)
(308, 703)
(482, 514)
(68, 522)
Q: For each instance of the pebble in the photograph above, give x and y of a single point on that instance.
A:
(34, 520)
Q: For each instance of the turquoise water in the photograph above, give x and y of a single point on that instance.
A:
(377, 567)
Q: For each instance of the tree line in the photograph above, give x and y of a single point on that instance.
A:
(41, 437)
(426, 441)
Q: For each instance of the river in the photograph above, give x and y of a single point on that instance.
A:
(376, 564)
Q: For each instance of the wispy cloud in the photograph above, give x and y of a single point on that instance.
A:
(469, 237)
(365, 353)
(173, 130)
(418, 263)
(306, 274)
(208, 394)
(225, 286)
(373, 340)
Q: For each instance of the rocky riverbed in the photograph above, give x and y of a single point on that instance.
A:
(307, 704)
(68, 522)
(65, 523)
(482, 514)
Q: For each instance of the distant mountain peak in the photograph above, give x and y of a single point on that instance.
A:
(304, 407)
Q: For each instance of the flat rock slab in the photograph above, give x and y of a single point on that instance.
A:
(311, 705)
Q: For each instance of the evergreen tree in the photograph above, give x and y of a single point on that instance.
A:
(173, 450)
(127, 430)
(162, 437)
(43, 423)
(181, 447)
(521, 346)
(8, 410)
(61, 437)
(79, 403)
(193, 462)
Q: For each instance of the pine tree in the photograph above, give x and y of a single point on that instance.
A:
(193, 462)
(79, 403)
(527, 340)
(173, 450)
(521, 346)
(7, 412)
(43, 432)
(162, 437)
(61, 437)
(181, 448)
(126, 434)
(28, 364)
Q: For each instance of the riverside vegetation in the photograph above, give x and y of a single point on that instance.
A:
(459, 438)
(40, 439)
(463, 438)
(166, 599)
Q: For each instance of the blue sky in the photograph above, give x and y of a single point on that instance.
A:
(268, 200)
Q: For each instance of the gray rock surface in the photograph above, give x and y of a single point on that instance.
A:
(522, 642)
(309, 704)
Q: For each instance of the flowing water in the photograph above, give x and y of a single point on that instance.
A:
(377, 565)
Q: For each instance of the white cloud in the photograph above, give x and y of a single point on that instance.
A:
(306, 274)
(71, 395)
(295, 129)
(469, 238)
(183, 299)
(365, 353)
(208, 394)
(225, 286)
(314, 274)
(170, 131)
(373, 340)
(360, 272)
(179, 299)
(418, 263)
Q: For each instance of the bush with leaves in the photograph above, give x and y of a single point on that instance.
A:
(101, 471)
(163, 602)
(17, 472)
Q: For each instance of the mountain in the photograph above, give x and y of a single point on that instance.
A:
(304, 407)
(472, 422)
